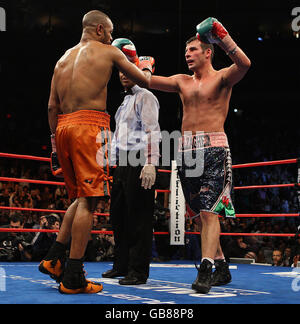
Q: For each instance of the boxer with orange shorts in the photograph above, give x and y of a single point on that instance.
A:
(80, 127)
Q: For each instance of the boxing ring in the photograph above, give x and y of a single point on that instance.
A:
(169, 282)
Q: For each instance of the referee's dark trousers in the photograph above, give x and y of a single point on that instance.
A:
(131, 214)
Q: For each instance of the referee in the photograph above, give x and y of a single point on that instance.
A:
(135, 146)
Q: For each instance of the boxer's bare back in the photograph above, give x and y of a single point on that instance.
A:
(81, 75)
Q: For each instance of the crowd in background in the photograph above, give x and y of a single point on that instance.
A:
(263, 249)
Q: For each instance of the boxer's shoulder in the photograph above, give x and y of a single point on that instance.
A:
(182, 78)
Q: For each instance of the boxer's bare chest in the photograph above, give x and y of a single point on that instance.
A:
(205, 103)
(194, 91)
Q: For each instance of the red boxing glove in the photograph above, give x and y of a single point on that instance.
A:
(211, 31)
(147, 63)
(128, 48)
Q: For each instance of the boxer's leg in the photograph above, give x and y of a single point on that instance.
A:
(74, 280)
(210, 234)
(82, 225)
(64, 234)
(221, 276)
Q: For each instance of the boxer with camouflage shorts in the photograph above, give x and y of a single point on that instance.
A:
(205, 97)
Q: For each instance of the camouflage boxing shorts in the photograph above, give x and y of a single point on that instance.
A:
(205, 170)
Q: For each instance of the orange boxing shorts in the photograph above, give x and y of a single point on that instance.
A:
(82, 140)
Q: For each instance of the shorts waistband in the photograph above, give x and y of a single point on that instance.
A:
(87, 117)
(202, 140)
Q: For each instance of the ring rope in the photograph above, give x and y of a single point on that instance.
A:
(245, 165)
(265, 163)
(107, 214)
(56, 183)
(25, 157)
(236, 166)
(55, 211)
(268, 186)
(35, 230)
(60, 183)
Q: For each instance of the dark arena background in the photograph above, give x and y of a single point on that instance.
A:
(266, 101)
(262, 125)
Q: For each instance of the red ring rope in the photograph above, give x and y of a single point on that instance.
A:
(106, 214)
(33, 230)
(25, 157)
(269, 186)
(43, 210)
(246, 165)
(256, 164)
(56, 183)
(236, 166)
(60, 183)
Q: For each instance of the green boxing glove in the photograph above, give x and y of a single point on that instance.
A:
(211, 31)
(128, 48)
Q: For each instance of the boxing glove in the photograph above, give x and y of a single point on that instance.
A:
(128, 48)
(211, 31)
(147, 63)
(54, 163)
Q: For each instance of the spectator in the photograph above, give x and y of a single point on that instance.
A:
(4, 197)
(296, 259)
(4, 217)
(104, 245)
(239, 248)
(192, 244)
(61, 198)
(42, 241)
(14, 200)
(261, 257)
(287, 257)
(36, 198)
(15, 246)
(250, 255)
(46, 197)
(277, 258)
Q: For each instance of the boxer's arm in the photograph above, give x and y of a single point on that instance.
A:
(167, 84)
(212, 31)
(53, 107)
(242, 63)
(53, 111)
(130, 70)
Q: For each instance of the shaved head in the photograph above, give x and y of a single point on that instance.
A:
(96, 25)
(93, 18)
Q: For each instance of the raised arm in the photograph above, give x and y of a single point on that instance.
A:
(212, 31)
